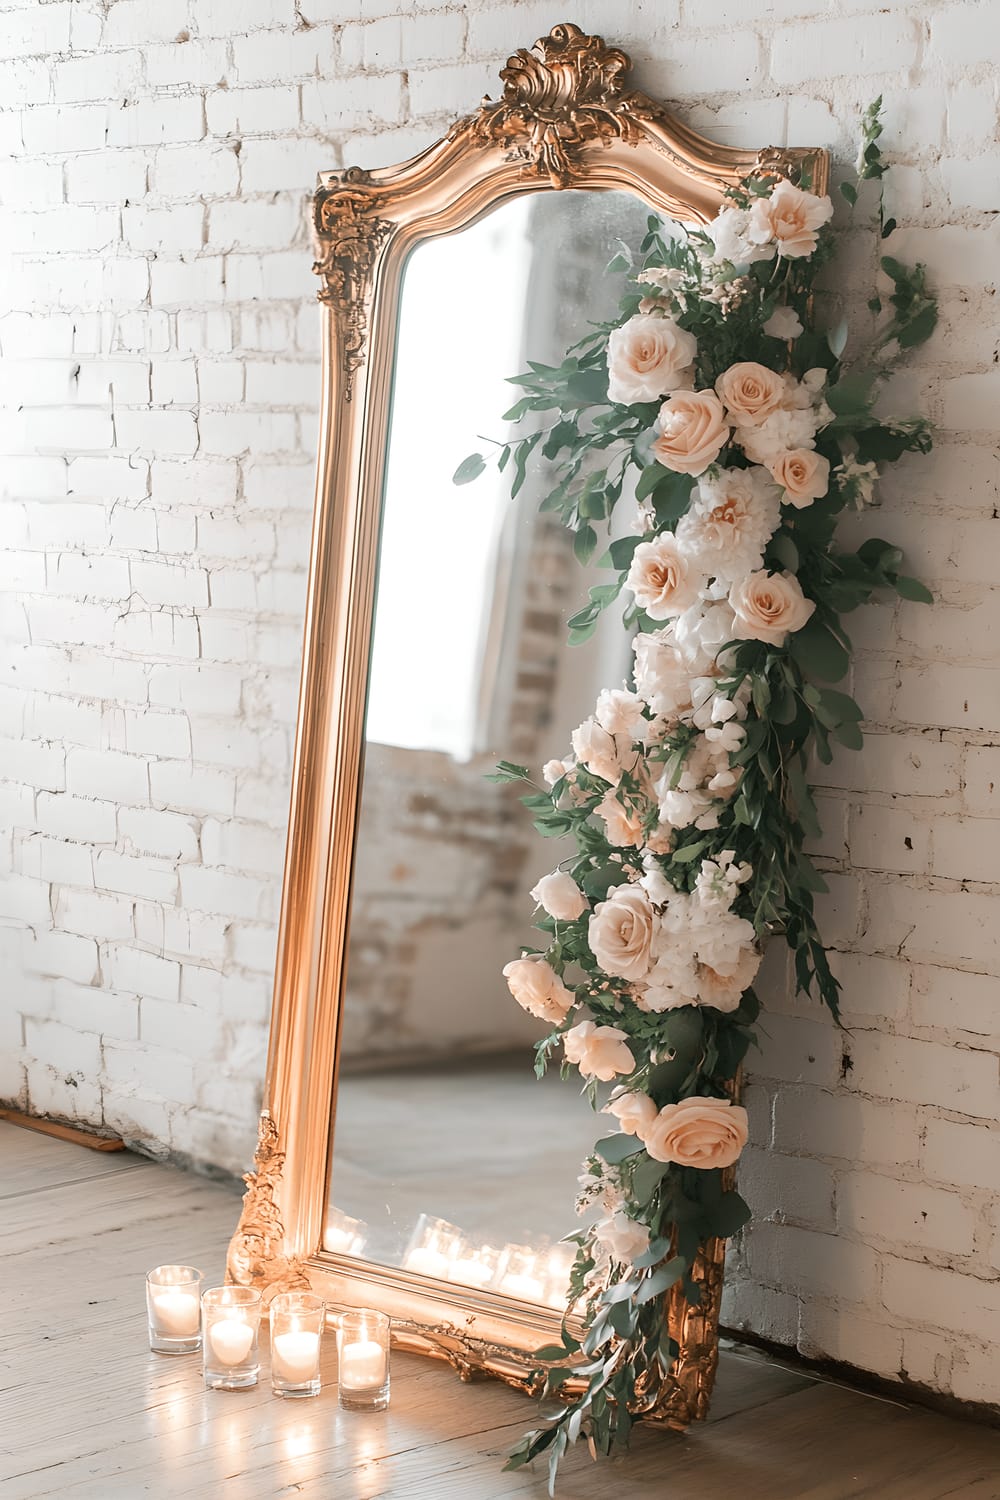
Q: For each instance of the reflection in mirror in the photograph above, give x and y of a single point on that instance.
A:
(450, 1158)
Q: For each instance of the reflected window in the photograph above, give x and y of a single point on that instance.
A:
(460, 336)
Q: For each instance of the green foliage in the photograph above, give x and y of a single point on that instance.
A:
(596, 452)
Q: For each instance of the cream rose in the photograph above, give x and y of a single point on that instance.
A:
(662, 579)
(784, 323)
(620, 932)
(538, 989)
(750, 393)
(598, 1051)
(623, 1238)
(647, 357)
(769, 607)
(691, 431)
(790, 217)
(634, 1112)
(620, 712)
(803, 474)
(560, 895)
(698, 1132)
(725, 991)
(600, 751)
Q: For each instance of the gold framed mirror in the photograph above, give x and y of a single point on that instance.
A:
(575, 160)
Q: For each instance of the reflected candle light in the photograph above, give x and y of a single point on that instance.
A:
(343, 1235)
(427, 1261)
(178, 1314)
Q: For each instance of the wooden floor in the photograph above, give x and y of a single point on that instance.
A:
(87, 1413)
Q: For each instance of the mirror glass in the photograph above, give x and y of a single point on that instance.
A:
(450, 1157)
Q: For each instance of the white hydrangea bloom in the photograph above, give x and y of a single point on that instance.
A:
(732, 516)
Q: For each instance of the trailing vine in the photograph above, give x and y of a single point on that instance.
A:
(718, 402)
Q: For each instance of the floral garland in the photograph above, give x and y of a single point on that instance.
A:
(686, 793)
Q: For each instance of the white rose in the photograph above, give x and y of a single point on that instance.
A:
(620, 712)
(662, 579)
(598, 1051)
(620, 932)
(622, 1238)
(728, 232)
(662, 678)
(553, 771)
(647, 357)
(783, 324)
(701, 632)
(633, 1111)
(782, 431)
(560, 895)
(725, 991)
(769, 607)
(538, 989)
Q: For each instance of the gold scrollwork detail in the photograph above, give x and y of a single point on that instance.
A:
(257, 1250)
(350, 235)
(563, 94)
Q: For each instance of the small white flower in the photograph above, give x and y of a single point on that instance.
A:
(783, 323)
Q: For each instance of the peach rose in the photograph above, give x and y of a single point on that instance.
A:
(623, 824)
(698, 1132)
(620, 932)
(692, 431)
(662, 579)
(598, 1051)
(769, 606)
(538, 989)
(647, 357)
(634, 1112)
(790, 217)
(560, 896)
(803, 474)
(750, 392)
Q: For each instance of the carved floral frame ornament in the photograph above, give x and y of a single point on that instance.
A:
(566, 119)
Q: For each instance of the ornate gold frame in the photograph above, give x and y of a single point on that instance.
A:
(566, 119)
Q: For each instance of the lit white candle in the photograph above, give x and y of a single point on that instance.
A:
(470, 1271)
(230, 1339)
(528, 1288)
(362, 1366)
(176, 1313)
(428, 1262)
(295, 1356)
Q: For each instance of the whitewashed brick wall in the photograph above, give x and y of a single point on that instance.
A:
(160, 377)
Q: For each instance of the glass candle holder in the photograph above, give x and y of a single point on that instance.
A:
(296, 1335)
(173, 1309)
(521, 1275)
(559, 1263)
(342, 1234)
(230, 1328)
(363, 1356)
(433, 1245)
(474, 1264)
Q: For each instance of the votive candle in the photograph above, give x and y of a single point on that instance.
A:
(231, 1322)
(173, 1309)
(363, 1355)
(297, 1320)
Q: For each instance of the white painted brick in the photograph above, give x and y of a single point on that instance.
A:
(48, 127)
(165, 1074)
(206, 171)
(897, 1067)
(801, 1260)
(871, 986)
(158, 633)
(242, 846)
(134, 23)
(966, 1155)
(178, 1028)
(164, 834)
(885, 43)
(61, 955)
(359, 103)
(842, 1127)
(35, 31)
(133, 529)
(63, 1047)
(255, 224)
(157, 431)
(164, 735)
(950, 999)
(905, 1213)
(104, 773)
(260, 111)
(850, 1338)
(79, 818)
(137, 972)
(188, 63)
(169, 231)
(284, 56)
(924, 1294)
(94, 914)
(169, 583)
(135, 877)
(967, 849)
(180, 786)
(186, 281)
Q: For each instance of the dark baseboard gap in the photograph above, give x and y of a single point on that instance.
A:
(903, 1387)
